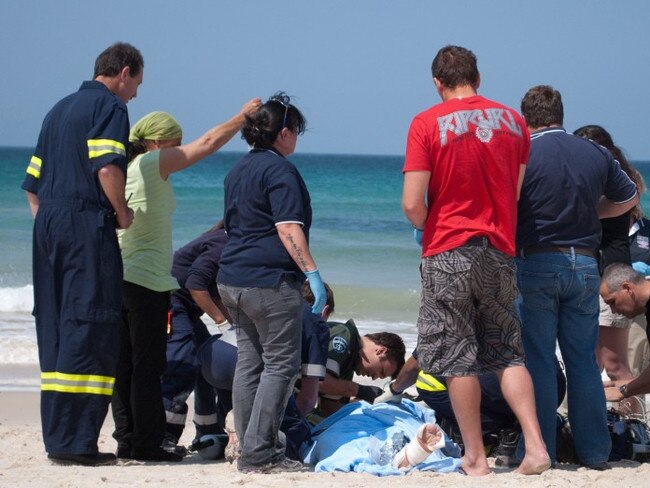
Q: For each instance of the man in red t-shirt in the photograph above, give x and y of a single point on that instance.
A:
(465, 161)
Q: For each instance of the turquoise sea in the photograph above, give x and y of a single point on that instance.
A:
(360, 239)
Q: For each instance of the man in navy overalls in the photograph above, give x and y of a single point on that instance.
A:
(75, 188)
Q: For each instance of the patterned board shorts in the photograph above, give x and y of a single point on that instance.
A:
(468, 324)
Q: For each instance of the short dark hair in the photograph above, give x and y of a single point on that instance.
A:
(395, 349)
(542, 107)
(308, 296)
(455, 66)
(262, 128)
(116, 57)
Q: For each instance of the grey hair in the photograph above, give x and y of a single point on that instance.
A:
(618, 273)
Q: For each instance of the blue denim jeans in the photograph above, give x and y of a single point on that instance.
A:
(559, 301)
(269, 328)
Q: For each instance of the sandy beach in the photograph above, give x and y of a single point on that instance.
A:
(23, 462)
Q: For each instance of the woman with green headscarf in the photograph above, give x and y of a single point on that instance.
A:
(146, 246)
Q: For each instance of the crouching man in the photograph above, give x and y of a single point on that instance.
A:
(378, 355)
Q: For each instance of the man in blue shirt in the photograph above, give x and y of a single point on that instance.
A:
(75, 188)
(570, 183)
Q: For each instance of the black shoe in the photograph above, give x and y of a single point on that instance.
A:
(157, 455)
(604, 466)
(504, 452)
(123, 453)
(285, 466)
(170, 446)
(99, 459)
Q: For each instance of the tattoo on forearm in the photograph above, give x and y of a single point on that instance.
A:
(297, 253)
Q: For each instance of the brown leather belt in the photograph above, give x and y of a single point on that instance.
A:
(583, 251)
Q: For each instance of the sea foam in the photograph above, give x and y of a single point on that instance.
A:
(18, 299)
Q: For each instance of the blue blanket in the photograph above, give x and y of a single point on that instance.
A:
(350, 439)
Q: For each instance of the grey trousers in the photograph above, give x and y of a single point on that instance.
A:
(269, 327)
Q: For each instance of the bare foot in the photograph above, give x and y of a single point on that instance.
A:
(479, 468)
(534, 464)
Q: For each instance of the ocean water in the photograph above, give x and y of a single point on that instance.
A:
(360, 239)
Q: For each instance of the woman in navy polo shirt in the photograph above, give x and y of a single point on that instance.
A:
(267, 214)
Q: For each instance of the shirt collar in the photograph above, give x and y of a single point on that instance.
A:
(270, 149)
(93, 85)
(546, 130)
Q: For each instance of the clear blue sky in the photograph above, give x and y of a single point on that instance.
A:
(359, 69)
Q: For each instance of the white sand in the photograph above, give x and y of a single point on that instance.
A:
(23, 462)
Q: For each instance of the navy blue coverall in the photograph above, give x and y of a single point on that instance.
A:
(77, 268)
(195, 267)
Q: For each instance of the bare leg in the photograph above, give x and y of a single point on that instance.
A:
(517, 389)
(612, 352)
(465, 396)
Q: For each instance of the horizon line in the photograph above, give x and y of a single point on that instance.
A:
(646, 160)
(229, 151)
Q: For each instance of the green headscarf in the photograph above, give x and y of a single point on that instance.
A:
(156, 126)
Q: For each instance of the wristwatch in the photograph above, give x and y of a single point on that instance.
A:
(623, 390)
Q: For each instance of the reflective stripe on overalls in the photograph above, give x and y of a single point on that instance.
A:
(427, 382)
(77, 383)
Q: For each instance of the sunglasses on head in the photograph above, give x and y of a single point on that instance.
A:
(284, 101)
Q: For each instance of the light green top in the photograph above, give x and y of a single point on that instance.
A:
(147, 244)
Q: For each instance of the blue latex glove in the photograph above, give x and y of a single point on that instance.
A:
(318, 290)
(641, 267)
(417, 235)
